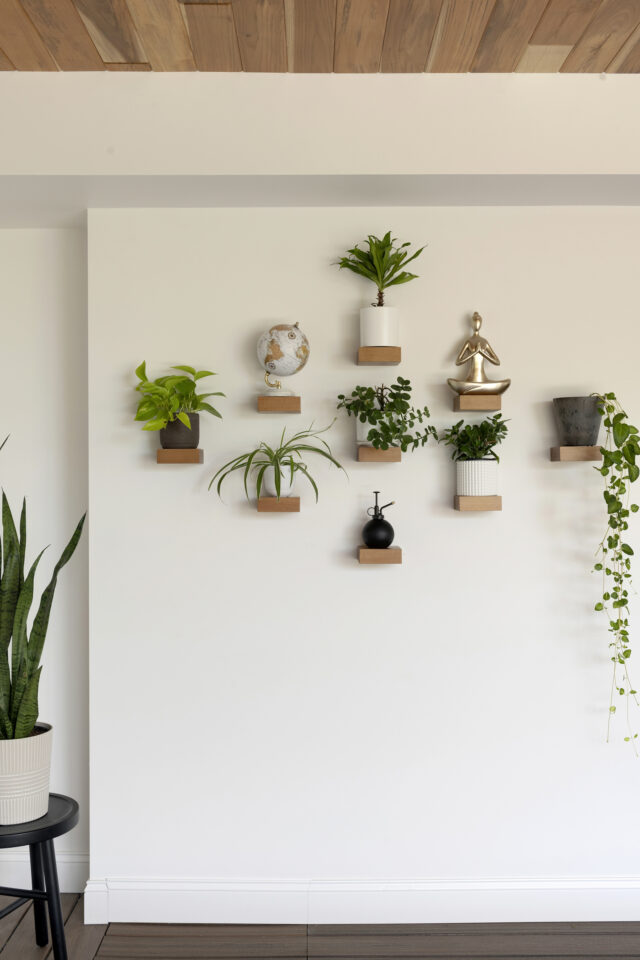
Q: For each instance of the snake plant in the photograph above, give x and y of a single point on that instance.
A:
(20, 666)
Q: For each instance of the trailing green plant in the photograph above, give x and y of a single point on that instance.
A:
(394, 422)
(287, 459)
(613, 556)
(172, 397)
(476, 441)
(20, 667)
(382, 262)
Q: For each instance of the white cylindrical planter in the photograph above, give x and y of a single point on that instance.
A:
(379, 327)
(24, 776)
(477, 478)
(362, 430)
(269, 482)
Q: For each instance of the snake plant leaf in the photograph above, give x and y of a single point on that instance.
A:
(19, 681)
(28, 710)
(23, 606)
(9, 587)
(6, 727)
(23, 538)
(41, 620)
(9, 532)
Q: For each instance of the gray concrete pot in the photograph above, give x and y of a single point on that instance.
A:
(578, 420)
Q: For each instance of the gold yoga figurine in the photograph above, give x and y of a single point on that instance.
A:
(476, 350)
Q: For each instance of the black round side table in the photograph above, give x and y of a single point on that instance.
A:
(39, 835)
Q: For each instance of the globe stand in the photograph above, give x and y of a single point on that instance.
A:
(277, 400)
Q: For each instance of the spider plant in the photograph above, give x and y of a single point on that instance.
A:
(287, 459)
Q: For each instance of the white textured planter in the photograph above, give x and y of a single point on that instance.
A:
(24, 776)
(379, 327)
(362, 429)
(269, 483)
(477, 478)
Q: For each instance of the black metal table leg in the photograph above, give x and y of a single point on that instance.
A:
(53, 900)
(39, 906)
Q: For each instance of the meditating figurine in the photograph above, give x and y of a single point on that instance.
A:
(476, 350)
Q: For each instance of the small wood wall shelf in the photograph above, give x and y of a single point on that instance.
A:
(179, 456)
(379, 356)
(283, 505)
(477, 401)
(377, 557)
(274, 404)
(368, 454)
(575, 454)
(477, 504)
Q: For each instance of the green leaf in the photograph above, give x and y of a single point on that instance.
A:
(191, 370)
(141, 371)
(28, 711)
(155, 425)
(184, 418)
(599, 606)
(626, 549)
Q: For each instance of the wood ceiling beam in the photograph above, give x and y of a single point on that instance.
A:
(64, 34)
(260, 27)
(111, 28)
(163, 33)
(213, 36)
(360, 29)
(20, 40)
(311, 32)
(460, 29)
(612, 25)
(507, 35)
(564, 21)
(5, 63)
(410, 29)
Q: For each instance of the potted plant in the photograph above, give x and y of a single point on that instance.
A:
(171, 405)
(25, 744)
(385, 417)
(383, 263)
(275, 469)
(578, 420)
(475, 455)
(614, 554)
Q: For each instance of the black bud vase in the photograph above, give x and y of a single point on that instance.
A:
(378, 533)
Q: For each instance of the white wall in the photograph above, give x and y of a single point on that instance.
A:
(280, 734)
(43, 398)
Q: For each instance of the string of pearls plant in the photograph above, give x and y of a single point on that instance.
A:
(613, 556)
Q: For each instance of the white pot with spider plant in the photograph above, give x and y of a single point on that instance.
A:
(171, 406)
(384, 264)
(385, 418)
(475, 455)
(273, 471)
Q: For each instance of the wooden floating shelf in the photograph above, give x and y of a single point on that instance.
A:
(477, 504)
(179, 456)
(377, 557)
(283, 505)
(574, 454)
(477, 401)
(368, 454)
(274, 404)
(379, 356)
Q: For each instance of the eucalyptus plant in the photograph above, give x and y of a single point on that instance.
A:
(613, 556)
(394, 422)
(381, 262)
(288, 458)
(20, 671)
(476, 441)
(172, 397)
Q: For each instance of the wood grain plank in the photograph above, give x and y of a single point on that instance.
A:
(478, 401)
(462, 24)
(163, 33)
(507, 34)
(82, 941)
(367, 454)
(9, 923)
(539, 58)
(261, 33)
(199, 948)
(22, 946)
(609, 29)
(313, 23)
(212, 931)
(492, 945)
(213, 36)
(410, 29)
(581, 927)
(477, 504)
(273, 505)
(64, 33)
(575, 454)
(5, 63)
(20, 40)
(128, 66)
(360, 30)
(111, 28)
(564, 21)
(627, 59)
(390, 556)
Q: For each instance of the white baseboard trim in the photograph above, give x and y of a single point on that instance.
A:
(15, 869)
(176, 900)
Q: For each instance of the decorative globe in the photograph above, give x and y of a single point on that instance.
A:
(283, 350)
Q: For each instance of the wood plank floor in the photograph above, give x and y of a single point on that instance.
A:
(465, 941)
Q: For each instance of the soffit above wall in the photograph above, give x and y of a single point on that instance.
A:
(322, 36)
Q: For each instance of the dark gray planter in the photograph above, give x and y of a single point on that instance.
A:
(176, 436)
(578, 420)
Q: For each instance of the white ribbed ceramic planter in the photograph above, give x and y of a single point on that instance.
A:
(24, 776)
(269, 483)
(477, 478)
(379, 327)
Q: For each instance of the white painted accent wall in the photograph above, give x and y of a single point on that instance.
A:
(278, 733)
(43, 390)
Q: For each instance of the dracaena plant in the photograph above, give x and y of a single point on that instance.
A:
(21, 648)
(382, 262)
(476, 441)
(388, 411)
(172, 397)
(613, 556)
(287, 459)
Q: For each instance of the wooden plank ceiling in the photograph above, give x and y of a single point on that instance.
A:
(322, 36)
